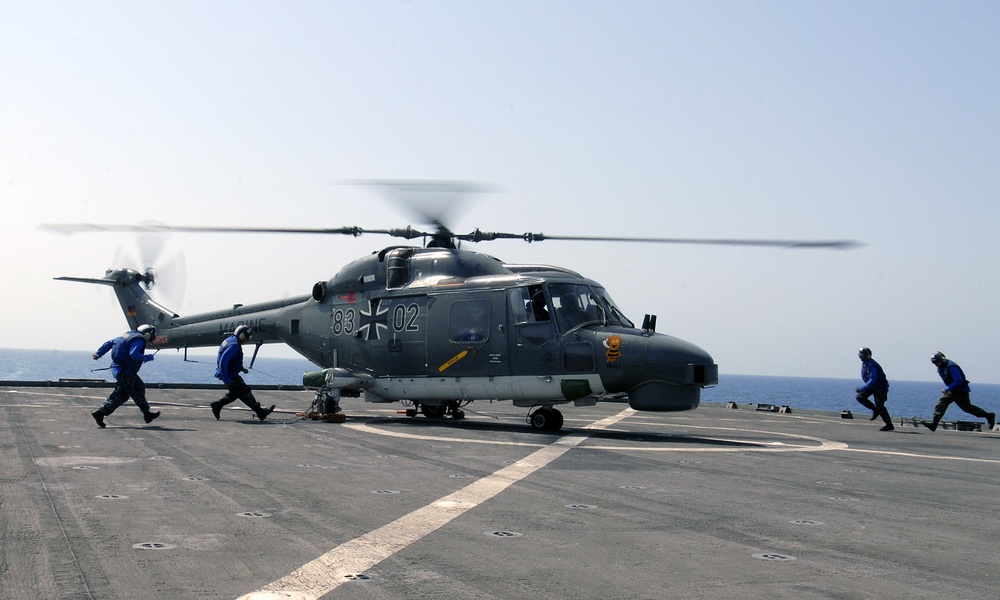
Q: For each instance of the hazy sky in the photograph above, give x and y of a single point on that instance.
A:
(874, 121)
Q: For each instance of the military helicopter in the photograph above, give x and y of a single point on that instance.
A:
(437, 326)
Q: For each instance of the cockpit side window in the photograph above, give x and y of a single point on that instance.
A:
(539, 306)
(518, 299)
(530, 315)
(528, 304)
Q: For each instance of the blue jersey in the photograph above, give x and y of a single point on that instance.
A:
(229, 362)
(127, 352)
(873, 376)
(953, 378)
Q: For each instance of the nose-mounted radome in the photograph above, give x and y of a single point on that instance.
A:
(660, 373)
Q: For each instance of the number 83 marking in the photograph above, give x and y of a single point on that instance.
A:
(343, 321)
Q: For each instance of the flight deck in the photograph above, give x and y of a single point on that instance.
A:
(711, 503)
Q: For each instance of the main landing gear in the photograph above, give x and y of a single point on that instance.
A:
(437, 411)
(546, 418)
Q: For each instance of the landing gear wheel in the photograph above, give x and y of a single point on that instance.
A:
(455, 410)
(557, 421)
(433, 411)
(546, 419)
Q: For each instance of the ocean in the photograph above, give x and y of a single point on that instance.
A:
(169, 366)
(906, 398)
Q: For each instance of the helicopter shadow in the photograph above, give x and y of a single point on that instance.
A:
(428, 425)
(670, 438)
(449, 424)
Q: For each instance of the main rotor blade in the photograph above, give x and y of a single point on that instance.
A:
(70, 228)
(474, 236)
(408, 233)
(479, 236)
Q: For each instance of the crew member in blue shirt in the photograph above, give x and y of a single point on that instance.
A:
(956, 390)
(229, 365)
(875, 384)
(127, 357)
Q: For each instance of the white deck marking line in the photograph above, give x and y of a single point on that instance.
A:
(913, 455)
(367, 428)
(55, 396)
(321, 576)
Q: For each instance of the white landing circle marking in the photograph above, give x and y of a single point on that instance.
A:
(795, 443)
(319, 577)
(366, 428)
(929, 456)
(814, 444)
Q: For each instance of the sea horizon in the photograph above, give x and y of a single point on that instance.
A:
(906, 398)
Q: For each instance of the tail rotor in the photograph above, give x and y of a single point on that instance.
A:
(160, 261)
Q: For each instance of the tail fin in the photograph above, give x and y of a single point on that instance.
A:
(138, 307)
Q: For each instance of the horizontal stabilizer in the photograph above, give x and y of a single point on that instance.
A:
(87, 280)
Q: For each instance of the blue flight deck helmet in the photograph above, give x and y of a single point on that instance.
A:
(242, 333)
(865, 353)
(148, 332)
(938, 358)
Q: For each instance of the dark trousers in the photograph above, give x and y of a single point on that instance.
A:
(237, 389)
(961, 399)
(879, 406)
(127, 385)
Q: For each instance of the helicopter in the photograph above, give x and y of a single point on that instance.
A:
(438, 326)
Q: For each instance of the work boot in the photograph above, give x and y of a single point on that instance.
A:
(99, 417)
(148, 416)
(216, 409)
(874, 416)
(991, 420)
(263, 412)
(932, 425)
(886, 427)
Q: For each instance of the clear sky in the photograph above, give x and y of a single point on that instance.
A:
(874, 121)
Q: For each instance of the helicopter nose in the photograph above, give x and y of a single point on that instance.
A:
(672, 375)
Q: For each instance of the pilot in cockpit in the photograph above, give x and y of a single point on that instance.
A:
(570, 312)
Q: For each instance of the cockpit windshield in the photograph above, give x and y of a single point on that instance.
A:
(615, 315)
(578, 305)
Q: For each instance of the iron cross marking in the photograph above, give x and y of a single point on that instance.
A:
(374, 320)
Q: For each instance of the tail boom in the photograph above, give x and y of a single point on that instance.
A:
(193, 331)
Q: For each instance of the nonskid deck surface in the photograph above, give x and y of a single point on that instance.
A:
(711, 503)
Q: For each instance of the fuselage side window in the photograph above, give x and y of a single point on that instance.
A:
(469, 322)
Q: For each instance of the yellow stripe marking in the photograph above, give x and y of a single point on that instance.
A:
(454, 360)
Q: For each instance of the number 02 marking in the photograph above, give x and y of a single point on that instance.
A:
(404, 318)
